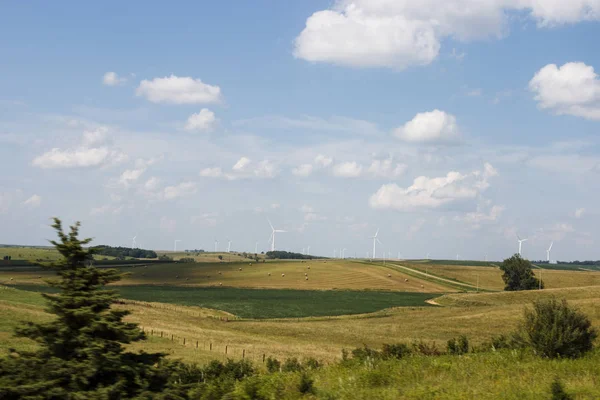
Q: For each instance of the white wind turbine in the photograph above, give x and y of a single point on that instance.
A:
(216, 245)
(272, 238)
(134, 243)
(548, 252)
(375, 240)
(229, 246)
(256, 248)
(521, 243)
(308, 251)
(175, 244)
(344, 253)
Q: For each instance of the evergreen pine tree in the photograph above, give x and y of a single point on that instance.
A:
(81, 353)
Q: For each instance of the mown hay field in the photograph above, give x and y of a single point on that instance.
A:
(490, 278)
(321, 274)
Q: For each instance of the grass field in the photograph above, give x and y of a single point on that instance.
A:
(322, 275)
(491, 277)
(269, 303)
(479, 316)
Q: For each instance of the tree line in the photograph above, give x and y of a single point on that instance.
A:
(122, 252)
(286, 255)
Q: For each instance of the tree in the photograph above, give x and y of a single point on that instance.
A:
(81, 353)
(518, 274)
(554, 329)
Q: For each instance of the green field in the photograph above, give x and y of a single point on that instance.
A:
(269, 303)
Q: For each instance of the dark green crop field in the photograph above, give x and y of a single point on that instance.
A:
(270, 303)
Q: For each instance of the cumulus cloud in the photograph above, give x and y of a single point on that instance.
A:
(579, 212)
(152, 183)
(572, 89)
(206, 219)
(484, 213)
(202, 121)
(112, 79)
(180, 190)
(386, 169)
(107, 209)
(323, 161)
(34, 201)
(402, 33)
(349, 169)
(432, 193)
(141, 165)
(429, 127)
(244, 168)
(93, 152)
(303, 170)
(179, 90)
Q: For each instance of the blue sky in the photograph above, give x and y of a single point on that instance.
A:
(450, 128)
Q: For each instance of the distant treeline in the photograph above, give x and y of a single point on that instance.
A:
(122, 252)
(286, 255)
(583, 263)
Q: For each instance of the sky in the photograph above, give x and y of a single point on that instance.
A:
(449, 127)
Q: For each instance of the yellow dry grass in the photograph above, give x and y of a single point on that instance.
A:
(479, 316)
(322, 275)
(490, 278)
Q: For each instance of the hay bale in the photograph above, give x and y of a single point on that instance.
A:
(176, 276)
(240, 269)
(219, 272)
(309, 267)
(220, 284)
(389, 275)
(422, 286)
(406, 280)
(282, 275)
(269, 274)
(306, 278)
(305, 274)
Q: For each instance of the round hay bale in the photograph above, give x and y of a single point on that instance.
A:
(176, 276)
(389, 275)
(187, 279)
(305, 274)
(283, 275)
(240, 269)
(220, 284)
(219, 272)
(11, 279)
(406, 280)
(269, 274)
(306, 278)
(250, 264)
(309, 267)
(422, 286)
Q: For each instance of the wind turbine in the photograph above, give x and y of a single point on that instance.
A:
(272, 238)
(134, 244)
(308, 251)
(521, 243)
(457, 256)
(548, 252)
(375, 240)
(334, 252)
(229, 246)
(256, 248)
(344, 253)
(175, 245)
(216, 245)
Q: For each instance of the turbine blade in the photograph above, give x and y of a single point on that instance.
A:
(270, 224)
(376, 233)
(379, 241)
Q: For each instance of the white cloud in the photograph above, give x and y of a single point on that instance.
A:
(112, 79)
(241, 164)
(265, 169)
(180, 190)
(303, 170)
(85, 155)
(476, 218)
(323, 161)
(152, 183)
(306, 209)
(106, 209)
(402, 33)
(347, 169)
(34, 201)
(313, 217)
(431, 193)
(428, 127)
(179, 90)
(386, 169)
(202, 121)
(206, 219)
(214, 172)
(579, 212)
(572, 89)
(130, 175)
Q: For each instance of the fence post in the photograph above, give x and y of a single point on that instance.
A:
(263, 358)
(243, 353)
(211, 347)
(152, 332)
(184, 341)
(225, 349)
(196, 344)
(171, 337)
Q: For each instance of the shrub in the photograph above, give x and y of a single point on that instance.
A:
(312, 363)
(399, 350)
(458, 346)
(554, 329)
(273, 365)
(306, 384)
(364, 353)
(426, 349)
(558, 391)
(291, 365)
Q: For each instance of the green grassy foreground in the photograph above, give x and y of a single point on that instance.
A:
(269, 303)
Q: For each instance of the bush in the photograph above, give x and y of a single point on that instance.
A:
(558, 391)
(312, 363)
(554, 329)
(426, 349)
(399, 350)
(291, 365)
(364, 353)
(458, 346)
(273, 365)
(306, 384)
